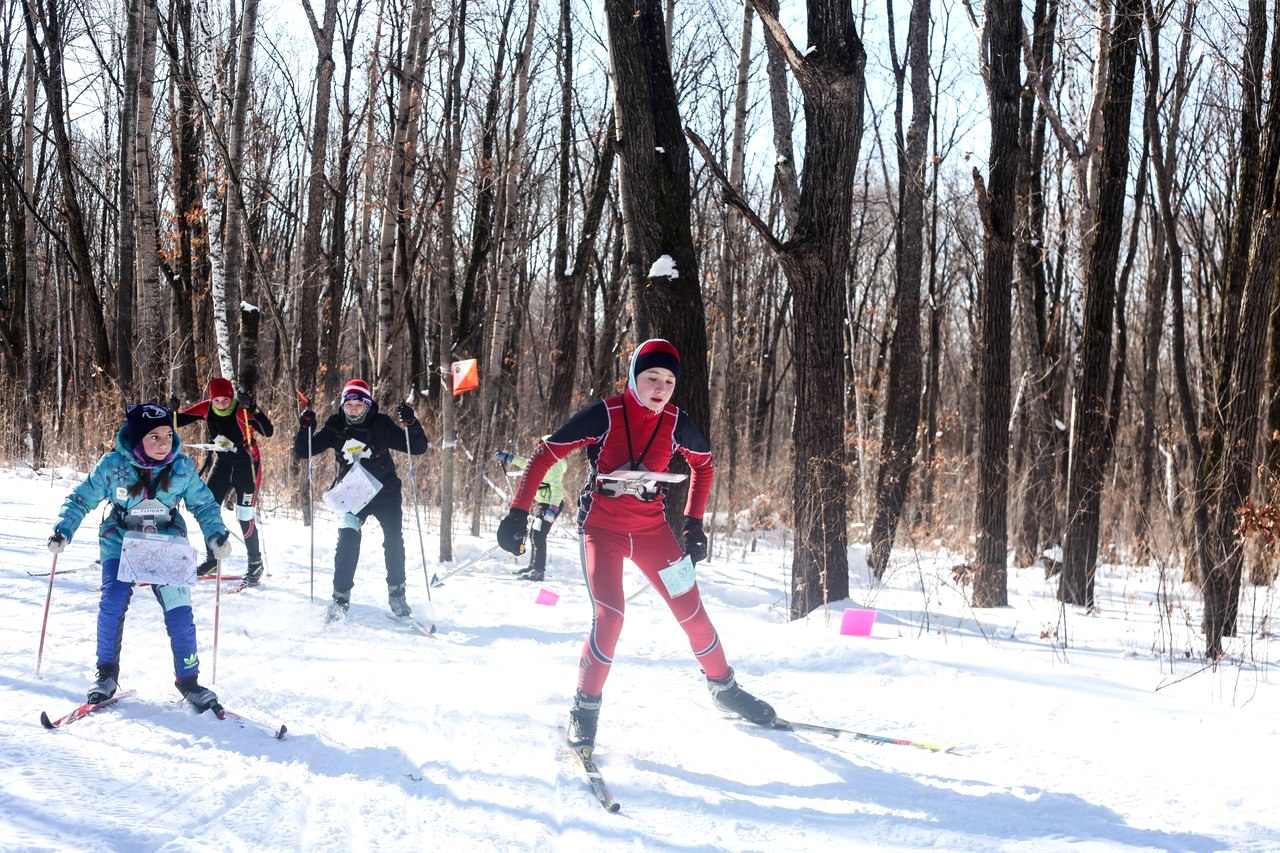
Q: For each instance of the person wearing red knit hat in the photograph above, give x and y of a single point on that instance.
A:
(358, 432)
(622, 515)
(234, 425)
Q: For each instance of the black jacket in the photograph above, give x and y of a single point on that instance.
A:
(378, 432)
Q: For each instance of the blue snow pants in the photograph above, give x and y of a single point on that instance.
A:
(178, 621)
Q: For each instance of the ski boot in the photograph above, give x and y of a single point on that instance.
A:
(202, 698)
(105, 687)
(531, 574)
(207, 568)
(730, 697)
(252, 573)
(583, 719)
(338, 607)
(395, 599)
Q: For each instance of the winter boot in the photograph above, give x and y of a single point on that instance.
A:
(202, 698)
(531, 574)
(208, 567)
(105, 687)
(583, 719)
(338, 607)
(395, 598)
(730, 697)
(253, 573)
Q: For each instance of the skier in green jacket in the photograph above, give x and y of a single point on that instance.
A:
(547, 506)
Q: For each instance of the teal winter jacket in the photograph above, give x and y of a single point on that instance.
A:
(116, 478)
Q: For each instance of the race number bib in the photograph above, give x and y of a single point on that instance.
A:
(353, 492)
(156, 559)
(678, 577)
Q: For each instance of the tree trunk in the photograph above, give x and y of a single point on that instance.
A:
(1091, 429)
(50, 72)
(398, 196)
(831, 77)
(127, 233)
(653, 182)
(155, 382)
(233, 246)
(314, 265)
(1001, 34)
(902, 405)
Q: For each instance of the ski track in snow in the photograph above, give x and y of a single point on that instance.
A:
(399, 741)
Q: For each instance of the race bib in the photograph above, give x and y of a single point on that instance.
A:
(156, 559)
(678, 577)
(353, 492)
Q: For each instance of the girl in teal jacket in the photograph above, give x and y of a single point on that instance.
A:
(143, 480)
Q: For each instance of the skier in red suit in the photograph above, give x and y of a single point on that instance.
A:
(637, 430)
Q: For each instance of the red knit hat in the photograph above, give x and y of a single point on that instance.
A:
(219, 387)
(356, 389)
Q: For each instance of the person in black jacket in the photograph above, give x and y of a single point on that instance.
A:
(234, 426)
(359, 432)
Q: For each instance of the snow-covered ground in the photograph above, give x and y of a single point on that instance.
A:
(399, 741)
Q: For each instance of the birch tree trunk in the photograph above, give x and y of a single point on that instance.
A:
(127, 232)
(155, 382)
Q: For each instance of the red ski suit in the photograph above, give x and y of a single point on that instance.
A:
(619, 432)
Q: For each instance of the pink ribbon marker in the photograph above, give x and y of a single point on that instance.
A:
(857, 623)
(547, 597)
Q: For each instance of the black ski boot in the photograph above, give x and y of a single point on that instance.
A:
(730, 697)
(208, 567)
(105, 687)
(253, 573)
(583, 719)
(395, 599)
(531, 574)
(338, 607)
(202, 698)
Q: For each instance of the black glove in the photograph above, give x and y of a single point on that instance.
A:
(307, 419)
(503, 456)
(57, 542)
(512, 530)
(695, 540)
(173, 402)
(246, 401)
(406, 415)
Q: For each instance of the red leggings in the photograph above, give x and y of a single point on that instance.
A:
(650, 550)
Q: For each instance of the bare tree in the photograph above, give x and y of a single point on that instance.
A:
(831, 77)
(314, 268)
(1091, 427)
(653, 179)
(902, 408)
(1001, 72)
(45, 18)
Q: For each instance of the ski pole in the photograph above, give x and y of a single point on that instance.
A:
(47, 599)
(217, 613)
(311, 511)
(413, 496)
